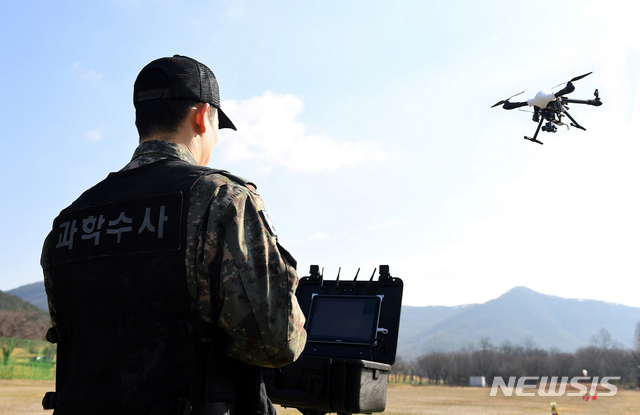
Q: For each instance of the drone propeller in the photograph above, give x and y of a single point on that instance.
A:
(580, 77)
(574, 79)
(505, 100)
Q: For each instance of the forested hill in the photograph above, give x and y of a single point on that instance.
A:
(33, 293)
(520, 316)
(9, 302)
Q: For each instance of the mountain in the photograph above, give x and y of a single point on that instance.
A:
(519, 316)
(10, 302)
(32, 293)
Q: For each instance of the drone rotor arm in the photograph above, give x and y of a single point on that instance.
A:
(566, 90)
(513, 105)
(594, 102)
(577, 78)
(506, 100)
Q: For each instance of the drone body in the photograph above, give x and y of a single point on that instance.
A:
(551, 107)
(542, 99)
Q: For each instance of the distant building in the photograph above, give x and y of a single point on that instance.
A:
(477, 381)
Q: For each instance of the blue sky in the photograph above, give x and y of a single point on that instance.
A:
(366, 125)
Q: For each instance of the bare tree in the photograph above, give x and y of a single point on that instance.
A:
(509, 359)
(618, 362)
(21, 324)
(400, 368)
(485, 343)
(635, 353)
(536, 364)
(484, 359)
(529, 345)
(602, 339)
(589, 358)
(459, 365)
(433, 364)
(446, 368)
(561, 364)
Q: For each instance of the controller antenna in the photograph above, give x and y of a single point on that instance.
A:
(353, 284)
(371, 279)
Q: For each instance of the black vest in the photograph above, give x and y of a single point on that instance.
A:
(126, 333)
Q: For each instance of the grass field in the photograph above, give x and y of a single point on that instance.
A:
(23, 397)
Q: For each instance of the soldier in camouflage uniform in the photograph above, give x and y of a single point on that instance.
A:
(240, 281)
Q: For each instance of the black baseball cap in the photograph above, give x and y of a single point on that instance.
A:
(186, 79)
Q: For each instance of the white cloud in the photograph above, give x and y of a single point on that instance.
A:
(85, 73)
(93, 135)
(235, 9)
(270, 134)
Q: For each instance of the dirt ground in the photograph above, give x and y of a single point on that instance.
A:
(24, 397)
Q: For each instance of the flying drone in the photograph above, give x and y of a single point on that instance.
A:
(551, 107)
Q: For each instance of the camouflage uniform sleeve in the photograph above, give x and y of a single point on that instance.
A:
(259, 310)
(48, 281)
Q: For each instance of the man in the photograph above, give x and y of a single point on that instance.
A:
(167, 286)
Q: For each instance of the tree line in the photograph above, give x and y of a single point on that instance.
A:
(603, 357)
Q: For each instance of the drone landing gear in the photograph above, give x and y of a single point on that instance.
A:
(574, 123)
(533, 140)
(535, 136)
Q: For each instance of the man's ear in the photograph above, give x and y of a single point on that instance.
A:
(200, 118)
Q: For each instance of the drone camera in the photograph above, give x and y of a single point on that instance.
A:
(549, 127)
